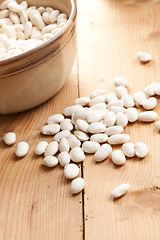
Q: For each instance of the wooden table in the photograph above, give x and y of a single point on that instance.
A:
(35, 202)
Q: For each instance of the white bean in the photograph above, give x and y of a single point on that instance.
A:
(71, 171)
(90, 147)
(118, 139)
(54, 15)
(9, 31)
(4, 13)
(121, 119)
(36, 33)
(22, 149)
(49, 9)
(50, 161)
(141, 149)
(114, 130)
(96, 127)
(23, 17)
(4, 4)
(39, 21)
(139, 98)
(45, 17)
(82, 113)
(118, 103)
(128, 101)
(64, 158)
(120, 190)
(83, 101)
(14, 7)
(120, 81)
(72, 109)
(158, 125)
(24, 5)
(41, 148)
(50, 129)
(9, 138)
(109, 119)
(97, 93)
(82, 136)
(99, 106)
(98, 99)
(144, 57)
(14, 17)
(82, 125)
(64, 145)
(94, 116)
(73, 141)
(51, 149)
(77, 185)
(117, 109)
(111, 97)
(148, 116)
(20, 35)
(102, 153)
(61, 16)
(132, 114)
(150, 103)
(151, 89)
(121, 91)
(66, 124)
(157, 91)
(27, 29)
(60, 135)
(77, 154)
(56, 118)
(100, 138)
(128, 149)
(118, 157)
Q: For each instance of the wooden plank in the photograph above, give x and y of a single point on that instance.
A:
(110, 33)
(35, 202)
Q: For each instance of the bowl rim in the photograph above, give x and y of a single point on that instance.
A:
(54, 39)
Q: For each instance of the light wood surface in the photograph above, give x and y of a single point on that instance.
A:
(35, 203)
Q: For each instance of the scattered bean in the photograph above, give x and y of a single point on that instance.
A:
(9, 138)
(120, 190)
(102, 153)
(118, 157)
(64, 158)
(50, 161)
(77, 185)
(22, 149)
(71, 171)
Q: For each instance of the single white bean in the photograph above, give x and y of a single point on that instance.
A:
(94, 116)
(121, 91)
(41, 10)
(82, 125)
(61, 16)
(144, 57)
(98, 99)
(114, 130)
(96, 127)
(82, 136)
(56, 118)
(45, 17)
(72, 109)
(82, 113)
(83, 101)
(9, 31)
(14, 7)
(77, 154)
(64, 158)
(49, 9)
(24, 5)
(148, 116)
(117, 109)
(54, 15)
(39, 21)
(4, 13)
(128, 101)
(66, 124)
(97, 93)
(14, 17)
(157, 91)
(64, 145)
(73, 141)
(120, 81)
(132, 114)
(90, 147)
(120, 190)
(128, 149)
(109, 119)
(23, 17)
(158, 125)
(151, 89)
(36, 33)
(50, 161)
(50, 129)
(139, 98)
(99, 106)
(118, 103)
(27, 29)
(121, 119)
(150, 103)
(9, 138)
(22, 149)
(111, 97)
(51, 149)
(118, 139)
(100, 138)
(77, 185)
(62, 134)
(41, 148)
(71, 171)
(141, 149)
(102, 153)
(118, 157)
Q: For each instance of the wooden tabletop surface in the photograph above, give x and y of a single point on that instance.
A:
(35, 202)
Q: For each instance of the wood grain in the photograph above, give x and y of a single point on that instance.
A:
(110, 34)
(35, 203)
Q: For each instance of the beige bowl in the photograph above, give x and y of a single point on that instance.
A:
(35, 76)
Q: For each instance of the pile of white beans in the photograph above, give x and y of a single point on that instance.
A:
(93, 125)
(24, 27)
